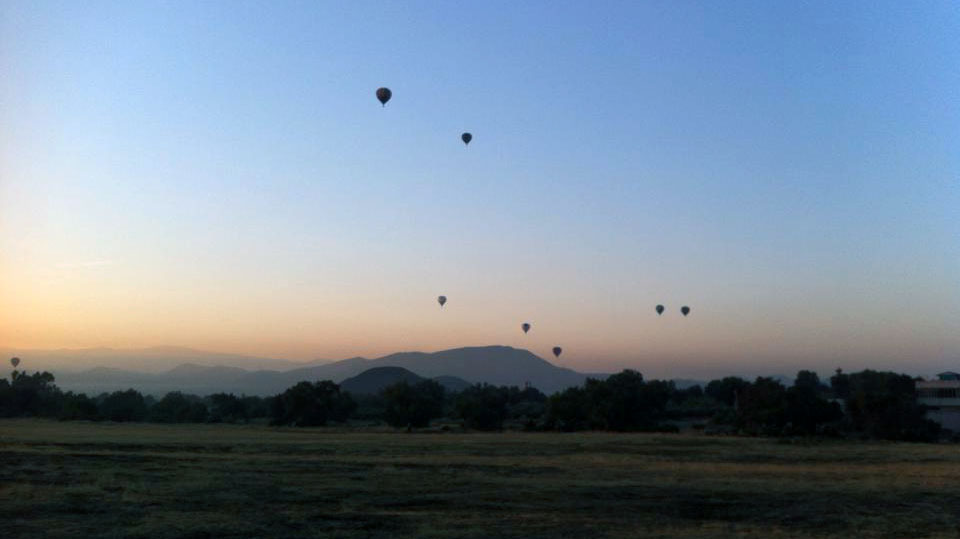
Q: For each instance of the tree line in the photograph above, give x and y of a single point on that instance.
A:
(866, 404)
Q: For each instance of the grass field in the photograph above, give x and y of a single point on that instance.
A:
(138, 480)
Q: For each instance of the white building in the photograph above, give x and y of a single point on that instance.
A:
(942, 396)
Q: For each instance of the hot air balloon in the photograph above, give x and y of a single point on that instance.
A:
(384, 95)
(660, 309)
(441, 300)
(557, 351)
(685, 310)
(525, 326)
(466, 138)
(14, 361)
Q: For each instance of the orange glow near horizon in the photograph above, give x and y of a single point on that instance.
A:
(99, 306)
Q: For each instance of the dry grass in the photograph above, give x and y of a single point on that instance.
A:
(137, 480)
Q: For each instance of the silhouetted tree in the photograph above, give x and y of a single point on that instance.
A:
(78, 406)
(807, 410)
(680, 396)
(808, 381)
(126, 405)
(691, 402)
(762, 407)
(369, 407)
(227, 408)
(482, 406)
(622, 402)
(412, 405)
(175, 407)
(570, 410)
(312, 404)
(257, 407)
(884, 405)
(625, 402)
(29, 395)
(840, 384)
(725, 390)
(526, 406)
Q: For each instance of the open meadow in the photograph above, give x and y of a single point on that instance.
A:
(75, 479)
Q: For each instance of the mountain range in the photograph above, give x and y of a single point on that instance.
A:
(498, 365)
(156, 359)
(373, 381)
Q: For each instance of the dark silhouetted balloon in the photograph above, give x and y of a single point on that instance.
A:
(685, 310)
(441, 300)
(14, 361)
(660, 309)
(466, 138)
(525, 327)
(384, 95)
(557, 351)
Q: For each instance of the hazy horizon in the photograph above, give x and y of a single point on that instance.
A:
(221, 177)
(144, 360)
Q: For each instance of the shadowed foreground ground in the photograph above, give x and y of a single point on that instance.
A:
(138, 480)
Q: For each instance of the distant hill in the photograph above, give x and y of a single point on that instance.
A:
(498, 365)
(189, 378)
(452, 384)
(372, 381)
(455, 369)
(156, 359)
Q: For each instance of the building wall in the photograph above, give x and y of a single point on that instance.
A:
(949, 418)
(943, 398)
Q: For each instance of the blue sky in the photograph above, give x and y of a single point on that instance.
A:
(220, 175)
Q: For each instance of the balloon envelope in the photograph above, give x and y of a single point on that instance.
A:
(384, 95)
(660, 309)
(525, 326)
(685, 310)
(14, 361)
(466, 138)
(441, 300)
(557, 351)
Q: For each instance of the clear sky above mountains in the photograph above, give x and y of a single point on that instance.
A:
(220, 175)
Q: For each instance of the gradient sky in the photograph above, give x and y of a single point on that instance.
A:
(220, 175)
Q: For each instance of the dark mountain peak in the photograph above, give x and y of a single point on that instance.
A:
(499, 365)
(467, 353)
(452, 384)
(374, 380)
(489, 349)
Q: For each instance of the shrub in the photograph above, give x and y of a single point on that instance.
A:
(408, 405)
(311, 404)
